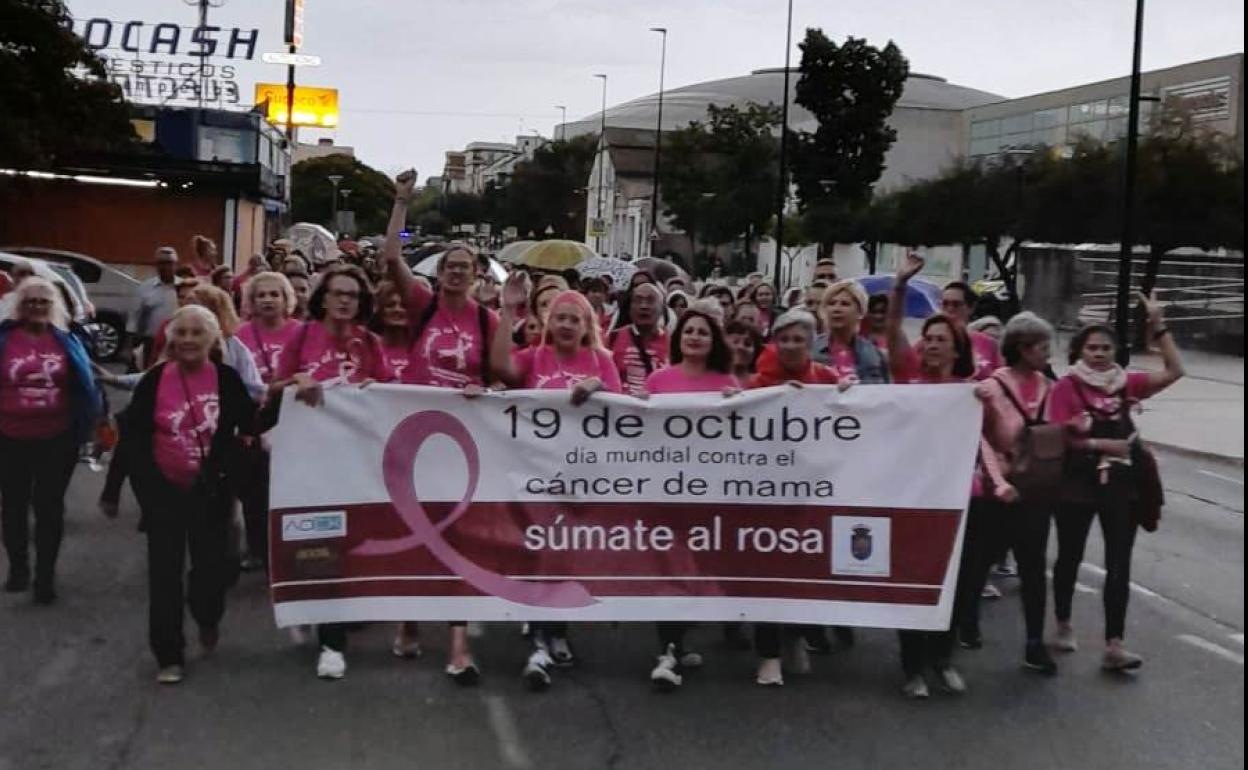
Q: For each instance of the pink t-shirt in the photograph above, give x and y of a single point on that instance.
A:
(674, 380)
(449, 350)
(34, 386)
(355, 358)
(266, 346)
(629, 361)
(187, 406)
(398, 357)
(541, 368)
(987, 355)
(841, 359)
(1065, 402)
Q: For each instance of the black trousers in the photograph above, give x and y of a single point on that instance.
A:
(922, 650)
(179, 521)
(1118, 527)
(768, 636)
(254, 495)
(992, 528)
(35, 473)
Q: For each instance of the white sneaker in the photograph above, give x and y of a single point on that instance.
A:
(770, 673)
(561, 652)
(990, 592)
(664, 675)
(300, 635)
(331, 664)
(1064, 640)
(536, 673)
(406, 647)
(1119, 659)
(916, 688)
(799, 657)
(952, 681)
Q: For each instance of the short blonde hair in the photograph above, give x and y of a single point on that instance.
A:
(191, 314)
(219, 303)
(58, 315)
(283, 284)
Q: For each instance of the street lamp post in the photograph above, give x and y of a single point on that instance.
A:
(1122, 320)
(334, 179)
(783, 195)
(602, 166)
(658, 140)
(563, 122)
(345, 193)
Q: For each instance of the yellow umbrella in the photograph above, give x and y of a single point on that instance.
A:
(512, 251)
(555, 255)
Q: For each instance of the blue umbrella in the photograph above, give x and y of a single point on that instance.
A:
(922, 297)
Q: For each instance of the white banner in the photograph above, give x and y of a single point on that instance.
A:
(782, 504)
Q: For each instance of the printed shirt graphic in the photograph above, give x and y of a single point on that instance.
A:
(266, 346)
(34, 379)
(674, 380)
(398, 358)
(185, 419)
(449, 350)
(842, 361)
(629, 362)
(355, 358)
(1068, 396)
(541, 368)
(987, 355)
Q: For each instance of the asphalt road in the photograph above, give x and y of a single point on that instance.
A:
(77, 689)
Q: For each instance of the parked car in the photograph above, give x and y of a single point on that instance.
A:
(112, 293)
(75, 298)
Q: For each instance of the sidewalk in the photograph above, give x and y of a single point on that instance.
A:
(1203, 413)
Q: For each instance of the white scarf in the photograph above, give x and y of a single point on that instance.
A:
(1107, 381)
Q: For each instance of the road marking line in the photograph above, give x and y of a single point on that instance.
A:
(1100, 572)
(1240, 482)
(1081, 588)
(503, 722)
(1209, 646)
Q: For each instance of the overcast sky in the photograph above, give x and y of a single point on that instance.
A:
(419, 77)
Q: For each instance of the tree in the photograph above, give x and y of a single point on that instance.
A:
(851, 90)
(720, 177)
(372, 192)
(549, 190)
(57, 103)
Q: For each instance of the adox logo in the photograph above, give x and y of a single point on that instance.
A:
(314, 526)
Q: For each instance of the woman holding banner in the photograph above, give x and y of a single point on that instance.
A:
(701, 362)
(451, 339)
(1109, 475)
(570, 357)
(944, 356)
(186, 415)
(335, 348)
(787, 360)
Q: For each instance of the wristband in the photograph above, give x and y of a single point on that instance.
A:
(1163, 331)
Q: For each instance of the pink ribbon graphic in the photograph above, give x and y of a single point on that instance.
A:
(397, 462)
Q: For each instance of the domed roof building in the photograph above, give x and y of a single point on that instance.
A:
(928, 120)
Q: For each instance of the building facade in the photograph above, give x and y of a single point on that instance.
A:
(481, 164)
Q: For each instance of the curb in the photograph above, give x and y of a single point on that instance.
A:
(1196, 454)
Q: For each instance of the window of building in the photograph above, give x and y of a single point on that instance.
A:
(1049, 137)
(1045, 119)
(1119, 106)
(1115, 129)
(1017, 124)
(1094, 129)
(1014, 141)
(983, 128)
(986, 146)
(1089, 111)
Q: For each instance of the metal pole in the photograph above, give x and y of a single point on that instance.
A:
(290, 105)
(1122, 319)
(658, 137)
(602, 164)
(784, 146)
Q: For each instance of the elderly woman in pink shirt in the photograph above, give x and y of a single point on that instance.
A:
(1013, 396)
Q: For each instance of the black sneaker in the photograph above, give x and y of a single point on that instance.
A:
(18, 582)
(1038, 659)
(970, 639)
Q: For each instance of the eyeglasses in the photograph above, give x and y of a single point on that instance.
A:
(343, 294)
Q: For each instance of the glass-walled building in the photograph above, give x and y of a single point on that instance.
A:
(1211, 91)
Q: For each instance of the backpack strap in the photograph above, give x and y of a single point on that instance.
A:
(1027, 419)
